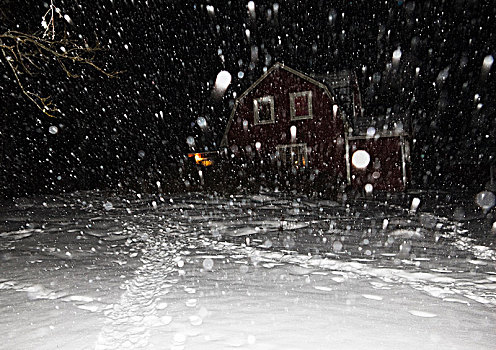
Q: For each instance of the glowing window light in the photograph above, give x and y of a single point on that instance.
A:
(200, 159)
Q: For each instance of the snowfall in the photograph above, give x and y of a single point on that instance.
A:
(99, 270)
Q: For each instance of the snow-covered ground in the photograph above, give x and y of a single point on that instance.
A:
(105, 271)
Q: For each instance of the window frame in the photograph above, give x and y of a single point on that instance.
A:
(302, 157)
(260, 101)
(292, 105)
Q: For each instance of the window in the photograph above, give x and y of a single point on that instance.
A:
(263, 110)
(300, 104)
(294, 156)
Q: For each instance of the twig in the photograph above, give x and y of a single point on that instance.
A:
(22, 51)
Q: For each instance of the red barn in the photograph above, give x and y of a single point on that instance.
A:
(312, 123)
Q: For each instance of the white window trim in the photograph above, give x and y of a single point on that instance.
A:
(302, 146)
(292, 107)
(260, 100)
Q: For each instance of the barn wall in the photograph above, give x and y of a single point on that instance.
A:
(384, 171)
(323, 134)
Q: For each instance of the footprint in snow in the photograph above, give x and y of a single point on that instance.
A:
(422, 314)
(161, 306)
(191, 302)
(195, 320)
(324, 289)
(372, 297)
(190, 290)
(455, 300)
(406, 233)
(271, 265)
(90, 307)
(78, 298)
(166, 319)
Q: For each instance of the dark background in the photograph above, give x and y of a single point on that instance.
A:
(131, 131)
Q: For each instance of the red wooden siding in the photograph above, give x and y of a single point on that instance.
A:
(323, 134)
(327, 139)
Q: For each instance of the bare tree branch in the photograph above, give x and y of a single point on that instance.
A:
(23, 52)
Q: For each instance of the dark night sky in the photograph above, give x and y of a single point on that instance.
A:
(134, 128)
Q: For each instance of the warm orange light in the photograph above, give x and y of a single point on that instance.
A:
(200, 159)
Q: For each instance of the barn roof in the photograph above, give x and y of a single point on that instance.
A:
(277, 66)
